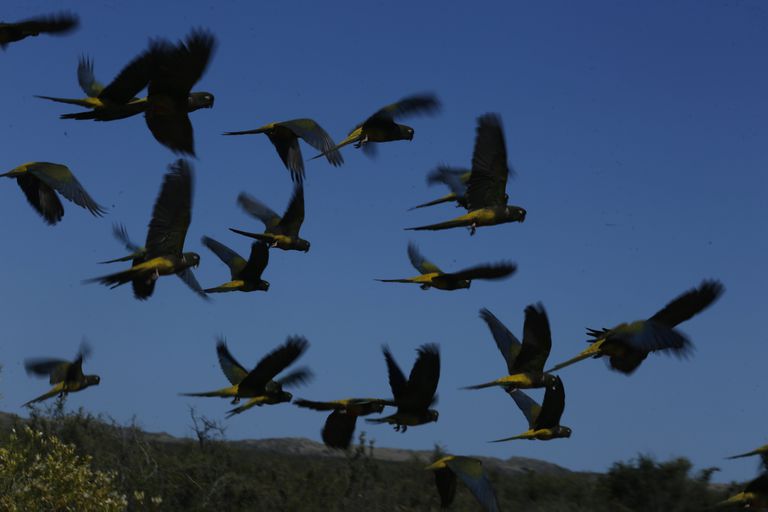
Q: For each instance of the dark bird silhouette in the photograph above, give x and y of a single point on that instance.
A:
(260, 384)
(415, 396)
(246, 275)
(106, 107)
(381, 126)
(56, 24)
(486, 195)
(165, 240)
(526, 367)
(340, 425)
(432, 277)
(41, 180)
(544, 420)
(285, 137)
(282, 232)
(66, 376)
(471, 473)
(628, 344)
(455, 179)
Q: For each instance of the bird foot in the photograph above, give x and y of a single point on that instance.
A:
(236, 400)
(472, 229)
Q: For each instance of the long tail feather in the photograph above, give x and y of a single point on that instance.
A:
(441, 225)
(68, 101)
(45, 396)
(445, 199)
(258, 236)
(246, 132)
(349, 140)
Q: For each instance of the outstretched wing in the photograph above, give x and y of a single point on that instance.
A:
(61, 179)
(338, 430)
(487, 184)
(314, 135)
(256, 264)
(233, 370)
(689, 304)
(537, 341)
(132, 78)
(275, 362)
(397, 381)
(42, 198)
(234, 261)
(508, 344)
(172, 212)
(181, 66)
(189, 279)
(176, 72)
(452, 177)
(652, 336)
(494, 271)
(410, 105)
(425, 374)
(54, 369)
(256, 208)
(293, 218)
(297, 377)
(529, 407)
(317, 406)
(52, 24)
(470, 471)
(552, 407)
(419, 262)
(119, 232)
(87, 80)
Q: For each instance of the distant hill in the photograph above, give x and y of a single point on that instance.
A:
(205, 473)
(306, 447)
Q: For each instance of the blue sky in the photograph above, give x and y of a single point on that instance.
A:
(638, 132)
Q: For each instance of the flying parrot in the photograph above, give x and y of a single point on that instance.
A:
(628, 344)
(282, 232)
(246, 275)
(340, 425)
(381, 126)
(413, 397)
(285, 137)
(165, 239)
(41, 180)
(57, 24)
(543, 420)
(259, 384)
(471, 473)
(110, 107)
(526, 367)
(455, 179)
(66, 376)
(754, 496)
(486, 195)
(432, 277)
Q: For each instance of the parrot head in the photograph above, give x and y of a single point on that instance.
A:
(515, 213)
(190, 259)
(406, 132)
(198, 100)
(263, 286)
(92, 380)
(302, 245)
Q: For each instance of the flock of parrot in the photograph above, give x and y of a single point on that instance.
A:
(169, 72)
